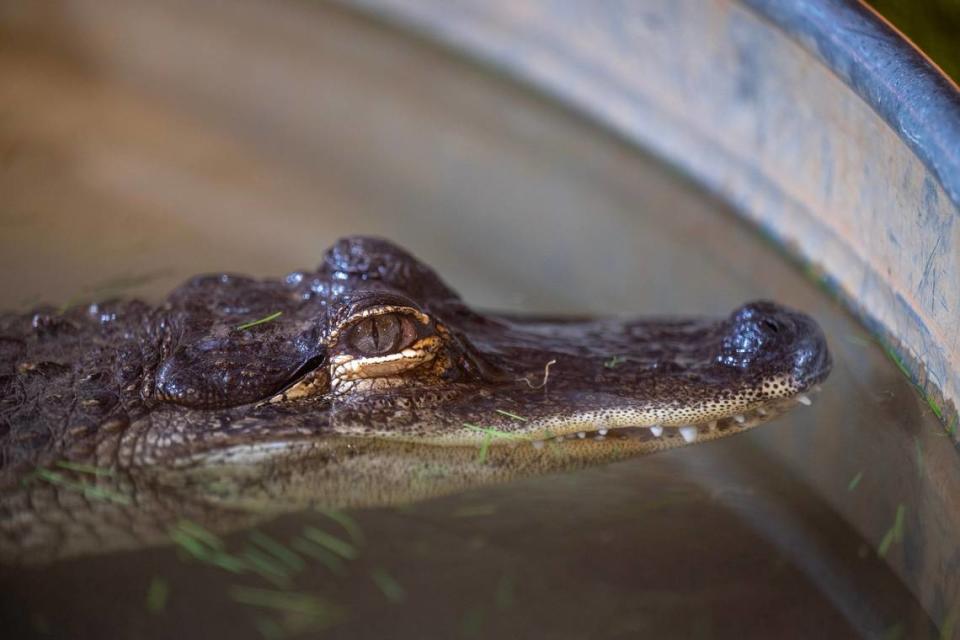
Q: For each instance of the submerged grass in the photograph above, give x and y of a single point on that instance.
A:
(85, 468)
(298, 612)
(206, 547)
(895, 533)
(270, 318)
(268, 567)
(854, 481)
(472, 623)
(157, 595)
(388, 585)
(89, 491)
(325, 557)
(290, 601)
(505, 593)
(282, 553)
(950, 623)
(330, 542)
(289, 612)
(349, 524)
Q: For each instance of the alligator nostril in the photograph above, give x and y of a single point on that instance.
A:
(772, 325)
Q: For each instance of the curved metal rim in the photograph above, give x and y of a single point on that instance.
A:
(893, 78)
(908, 90)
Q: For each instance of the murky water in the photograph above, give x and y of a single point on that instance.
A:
(124, 174)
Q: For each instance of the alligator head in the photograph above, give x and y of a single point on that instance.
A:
(372, 377)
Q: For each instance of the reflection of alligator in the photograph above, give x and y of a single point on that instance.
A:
(365, 382)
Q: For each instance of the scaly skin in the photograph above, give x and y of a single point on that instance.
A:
(371, 383)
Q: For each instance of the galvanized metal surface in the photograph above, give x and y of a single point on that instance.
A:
(814, 119)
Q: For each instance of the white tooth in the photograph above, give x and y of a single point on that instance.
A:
(712, 425)
(581, 434)
(559, 438)
(804, 400)
(740, 418)
(599, 438)
(538, 444)
(761, 411)
(656, 431)
(602, 432)
(689, 433)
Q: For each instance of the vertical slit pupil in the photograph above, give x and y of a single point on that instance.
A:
(377, 335)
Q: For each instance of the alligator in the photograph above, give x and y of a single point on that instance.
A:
(365, 382)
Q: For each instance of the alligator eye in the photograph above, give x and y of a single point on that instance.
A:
(382, 334)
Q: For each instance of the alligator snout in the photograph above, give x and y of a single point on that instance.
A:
(765, 335)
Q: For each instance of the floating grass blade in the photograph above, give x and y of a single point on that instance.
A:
(495, 433)
(613, 362)
(273, 316)
(511, 415)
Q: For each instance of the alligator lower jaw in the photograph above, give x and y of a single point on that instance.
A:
(682, 433)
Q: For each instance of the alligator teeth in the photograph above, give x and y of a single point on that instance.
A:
(761, 411)
(804, 400)
(581, 434)
(689, 433)
(656, 431)
(740, 418)
(711, 425)
(599, 438)
(602, 432)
